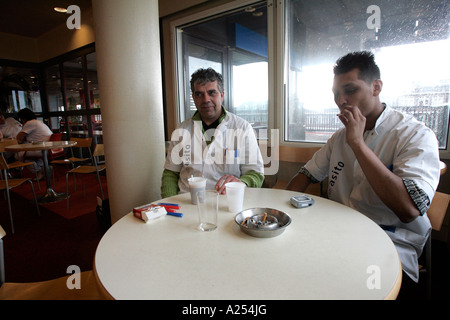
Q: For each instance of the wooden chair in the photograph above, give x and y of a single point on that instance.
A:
(436, 213)
(82, 143)
(88, 169)
(56, 289)
(17, 164)
(8, 184)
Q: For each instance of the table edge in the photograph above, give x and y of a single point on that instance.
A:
(393, 294)
(38, 147)
(100, 286)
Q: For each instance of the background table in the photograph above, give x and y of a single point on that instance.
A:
(326, 253)
(50, 194)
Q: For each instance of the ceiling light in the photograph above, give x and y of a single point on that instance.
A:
(60, 9)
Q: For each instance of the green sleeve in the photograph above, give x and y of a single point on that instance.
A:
(169, 183)
(253, 179)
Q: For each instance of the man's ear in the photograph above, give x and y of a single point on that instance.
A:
(377, 86)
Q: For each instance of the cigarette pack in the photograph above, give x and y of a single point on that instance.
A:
(149, 212)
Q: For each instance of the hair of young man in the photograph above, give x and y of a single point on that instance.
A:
(364, 61)
(26, 114)
(203, 76)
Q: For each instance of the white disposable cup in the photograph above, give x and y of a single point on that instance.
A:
(235, 196)
(208, 206)
(196, 184)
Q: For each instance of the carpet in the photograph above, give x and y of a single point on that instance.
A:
(78, 203)
(43, 247)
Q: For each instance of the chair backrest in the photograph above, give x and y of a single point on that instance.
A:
(438, 209)
(55, 153)
(82, 142)
(56, 137)
(7, 142)
(99, 150)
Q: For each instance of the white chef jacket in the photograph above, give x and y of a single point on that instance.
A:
(11, 128)
(36, 130)
(408, 149)
(234, 151)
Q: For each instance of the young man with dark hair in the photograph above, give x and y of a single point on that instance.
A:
(383, 163)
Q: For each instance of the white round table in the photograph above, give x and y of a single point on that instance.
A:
(329, 251)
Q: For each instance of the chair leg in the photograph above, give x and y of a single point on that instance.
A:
(35, 199)
(2, 264)
(37, 181)
(100, 184)
(84, 188)
(10, 210)
(67, 189)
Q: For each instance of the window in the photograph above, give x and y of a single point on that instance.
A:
(94, 93)
(199, 55)
(73, 76)
(72, 94)
(19, 88)
(277, 59)
(54, 93)
(234, 43)
(75, 94)
(410, 42)
(250, 94)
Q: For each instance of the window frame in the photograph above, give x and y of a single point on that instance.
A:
(87, 112)
(277, 63)
(176, 49)
(283, 65)
(183, 88)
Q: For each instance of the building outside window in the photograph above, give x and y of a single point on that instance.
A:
(410, 40)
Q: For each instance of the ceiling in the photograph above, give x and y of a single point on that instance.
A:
(32, 18)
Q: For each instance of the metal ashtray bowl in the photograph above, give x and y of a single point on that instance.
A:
(262, 222)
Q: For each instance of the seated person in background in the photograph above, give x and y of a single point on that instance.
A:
(10, 127)
(33, 131)
(383, 163)
(216, 144)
